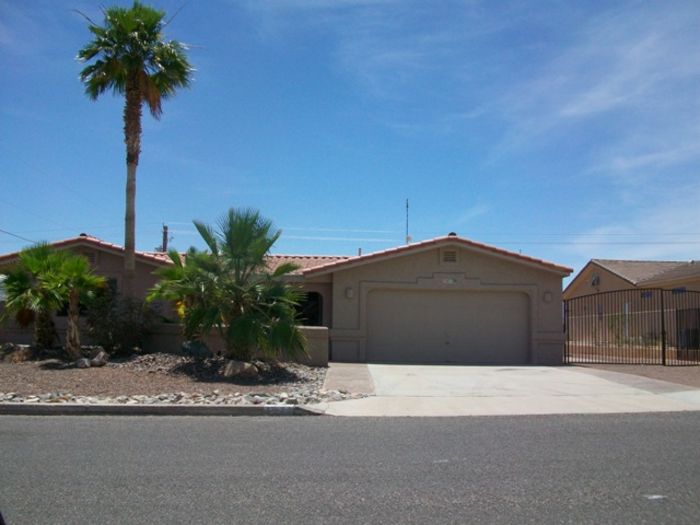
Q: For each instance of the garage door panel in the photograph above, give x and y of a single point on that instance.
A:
(419, 326)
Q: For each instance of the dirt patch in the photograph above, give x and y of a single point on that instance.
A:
(682, 375)
(151, 374)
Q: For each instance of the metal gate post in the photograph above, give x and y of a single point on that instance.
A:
(566, 332)
(663, 330)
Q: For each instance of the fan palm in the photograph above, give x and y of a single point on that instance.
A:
(131, 58)
(40, 283)
(30, 295)
(73, 278)
(230, 288)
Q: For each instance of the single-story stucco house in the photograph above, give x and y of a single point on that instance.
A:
(606, 275)
(444, 300)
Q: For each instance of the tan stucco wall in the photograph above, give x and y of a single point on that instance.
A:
(111, 266)
(168, 338)
(423, 270)
(608, 282)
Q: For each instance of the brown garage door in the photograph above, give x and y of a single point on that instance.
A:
(425, 326)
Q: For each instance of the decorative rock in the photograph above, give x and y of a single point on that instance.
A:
(196, 349)
(20, 354)
(296, 397)
(91, 350)
(6, 348)
(83, 362)
(292, 384)
(263, 367)
(100, 359)
(240, 369)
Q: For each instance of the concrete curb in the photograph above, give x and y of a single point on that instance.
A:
(74, 409)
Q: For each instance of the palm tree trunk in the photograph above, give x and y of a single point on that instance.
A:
(132, 139)
(73, 330)
(44, 330)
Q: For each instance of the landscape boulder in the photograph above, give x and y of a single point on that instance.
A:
(14, 353)
(240, 369)
(100, 359)
(83, 362)
(196, 349)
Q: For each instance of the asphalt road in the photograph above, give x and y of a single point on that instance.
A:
(545, 469)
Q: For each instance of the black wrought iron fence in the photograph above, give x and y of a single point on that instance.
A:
(639, 326)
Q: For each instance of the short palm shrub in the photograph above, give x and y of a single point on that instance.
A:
(42, 281)
(229, 288)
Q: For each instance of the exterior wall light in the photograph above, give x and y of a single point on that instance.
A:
(547, 297)
(349, 292)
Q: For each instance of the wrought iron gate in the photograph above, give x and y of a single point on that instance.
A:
(638, 326)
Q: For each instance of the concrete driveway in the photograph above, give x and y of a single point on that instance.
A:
(430, 390)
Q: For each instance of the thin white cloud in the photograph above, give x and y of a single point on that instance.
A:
(336, 230)
(472, 213)
(637, 65)
(335, 239)
(665, 227)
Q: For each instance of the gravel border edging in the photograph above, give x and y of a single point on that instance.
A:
(65, 409)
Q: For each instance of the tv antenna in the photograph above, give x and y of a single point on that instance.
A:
(408, 237)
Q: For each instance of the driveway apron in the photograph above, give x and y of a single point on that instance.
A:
(434, 390)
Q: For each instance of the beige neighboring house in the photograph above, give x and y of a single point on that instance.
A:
(444, 300)
(606, 275)
(107, 260)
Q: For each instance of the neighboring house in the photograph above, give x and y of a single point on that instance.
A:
(107, 260)
(606, 275)
(444, 300)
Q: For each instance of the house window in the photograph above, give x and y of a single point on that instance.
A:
(310, 310)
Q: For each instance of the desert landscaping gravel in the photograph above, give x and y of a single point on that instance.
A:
(162, 378)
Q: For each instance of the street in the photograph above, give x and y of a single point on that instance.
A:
(641, 468)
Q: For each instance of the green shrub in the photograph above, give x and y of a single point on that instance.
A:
(118, 323)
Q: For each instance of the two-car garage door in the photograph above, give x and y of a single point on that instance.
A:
(435, 326)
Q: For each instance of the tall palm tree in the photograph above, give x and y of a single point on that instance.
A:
(132, 58)
(230, 288)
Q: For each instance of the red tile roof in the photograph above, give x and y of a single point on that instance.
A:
(304, 262)
(311, 264)
(88, 240)
(447, 239)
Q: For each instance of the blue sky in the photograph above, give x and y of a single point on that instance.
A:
(565, 130)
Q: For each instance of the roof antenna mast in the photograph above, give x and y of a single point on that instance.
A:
(408, 237)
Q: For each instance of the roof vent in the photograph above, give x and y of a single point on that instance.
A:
(449, 256)
(452, 234)
(83, 235)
